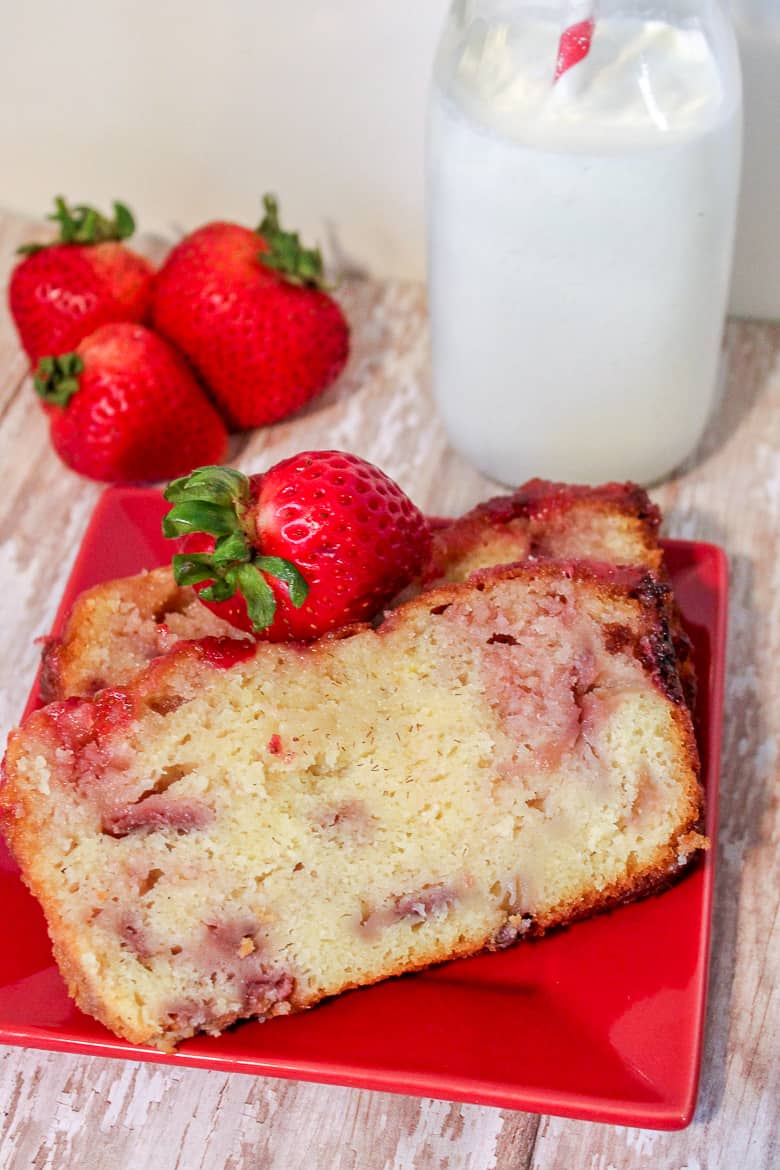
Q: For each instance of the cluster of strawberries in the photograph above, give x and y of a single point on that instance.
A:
(143, 372)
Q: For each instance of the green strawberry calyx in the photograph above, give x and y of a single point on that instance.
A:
(82, 224)
(286, 254)
(217, 501)
(56, 379)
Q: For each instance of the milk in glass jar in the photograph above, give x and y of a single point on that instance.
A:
(582, 175)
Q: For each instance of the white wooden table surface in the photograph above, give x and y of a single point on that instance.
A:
(64, 1111)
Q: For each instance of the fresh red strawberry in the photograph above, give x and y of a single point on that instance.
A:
(320, 540)
(249, 310)
(125, 406)
(60, 292)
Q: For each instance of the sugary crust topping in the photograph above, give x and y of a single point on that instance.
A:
(84, 726)
(542, 497)
(615, 521)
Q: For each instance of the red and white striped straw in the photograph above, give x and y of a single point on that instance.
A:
(577, 34)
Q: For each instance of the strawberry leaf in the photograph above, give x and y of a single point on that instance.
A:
(211, 500)
(199, 516)
(260, 601)
(231, 549)
(192, 568)
(84, 225)
(56, 379)
(286, 571)
(124, 221)
(221, 588)
(219, 485)
(286, 254)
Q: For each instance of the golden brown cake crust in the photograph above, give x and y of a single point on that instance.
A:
(554, 519)
(116, 627)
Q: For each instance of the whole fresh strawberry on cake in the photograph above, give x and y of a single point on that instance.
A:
(62, 291)
(319, 541)
(251, 311)
(125, 407)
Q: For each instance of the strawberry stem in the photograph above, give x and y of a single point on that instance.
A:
(84, 225)
(286, 255)
(217, 501)
(56, 379)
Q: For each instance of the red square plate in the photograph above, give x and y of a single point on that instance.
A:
(601, 1021)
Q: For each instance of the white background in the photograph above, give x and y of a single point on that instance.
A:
(190, 110)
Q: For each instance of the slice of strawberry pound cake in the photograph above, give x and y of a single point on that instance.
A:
(247, 828)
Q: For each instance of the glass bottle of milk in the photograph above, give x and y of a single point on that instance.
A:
(580, 234)
(755, 285)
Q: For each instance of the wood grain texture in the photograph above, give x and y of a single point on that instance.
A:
(69, 1111)
(13, 365)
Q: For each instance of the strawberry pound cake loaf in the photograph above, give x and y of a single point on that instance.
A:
(248, 828)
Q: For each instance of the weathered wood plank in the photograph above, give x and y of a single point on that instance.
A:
(13, 364)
